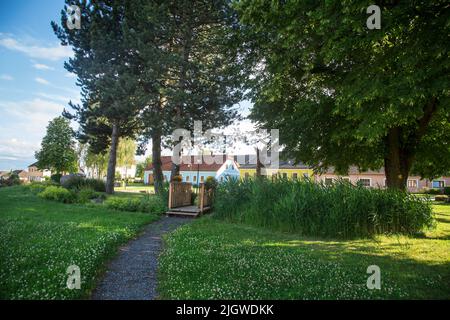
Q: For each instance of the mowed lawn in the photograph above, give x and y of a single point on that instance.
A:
(39, 239)
(211, 259)
(142, 188)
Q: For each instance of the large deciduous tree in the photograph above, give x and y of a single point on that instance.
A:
(342, 94)
(57, 151)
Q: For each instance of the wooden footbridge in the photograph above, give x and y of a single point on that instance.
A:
(180, 200)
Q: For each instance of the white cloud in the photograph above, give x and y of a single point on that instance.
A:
(57, 97)
(14, 149)
(23, 125)
(41, 66)
(6, 77)
(35, 112)
(56, 52)
(42, 81)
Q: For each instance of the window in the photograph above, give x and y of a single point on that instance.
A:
(438, 184)
(221, 179)
(412, 183)
(284, 175)
(195, 178)
(187, 178)
(294, 176)
(328, 181)
(202, 178)
(247, 175)
(364, 182)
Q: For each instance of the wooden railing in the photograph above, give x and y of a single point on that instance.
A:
(180, 194)
(205, 199)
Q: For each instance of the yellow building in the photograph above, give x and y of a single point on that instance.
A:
(287, 169)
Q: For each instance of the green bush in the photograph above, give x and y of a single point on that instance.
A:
(341, 210)
(86, 194)
(193, 198)
(78, 182)
(56, 177)
(447, 191)
(12, 180)
(148, 204)
(152, 204)
(36, 188)
(122, 204)
(58, 194)
(434, 191)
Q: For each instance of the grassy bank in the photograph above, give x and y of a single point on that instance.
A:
(41, 238)
(221, 260)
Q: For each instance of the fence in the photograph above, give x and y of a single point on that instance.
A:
(180, 194)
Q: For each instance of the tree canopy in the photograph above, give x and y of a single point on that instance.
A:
(105, 74)
(342, 94)
(57, 151)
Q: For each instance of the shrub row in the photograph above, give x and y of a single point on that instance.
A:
(58, 194)
(78, 182)
(148, 204)
(81, 194)
(341, 210)
(64, 195)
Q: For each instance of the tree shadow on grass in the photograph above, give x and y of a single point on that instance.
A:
(402, 276)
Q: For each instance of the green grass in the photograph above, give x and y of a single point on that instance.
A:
(136, 188)
(212, 259)
(39, 239)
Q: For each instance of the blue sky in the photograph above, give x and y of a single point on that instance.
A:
(34, 86)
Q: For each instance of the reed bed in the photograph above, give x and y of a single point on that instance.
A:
(340, 210)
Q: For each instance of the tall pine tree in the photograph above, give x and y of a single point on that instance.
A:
(102, 65)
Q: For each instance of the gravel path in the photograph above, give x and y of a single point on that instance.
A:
(132, 274)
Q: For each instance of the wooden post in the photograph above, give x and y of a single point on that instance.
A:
(202, 193)
(170, 195)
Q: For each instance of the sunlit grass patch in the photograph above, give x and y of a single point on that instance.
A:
(40, 239)
(212, 259)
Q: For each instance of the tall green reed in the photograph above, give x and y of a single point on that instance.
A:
(340, 210)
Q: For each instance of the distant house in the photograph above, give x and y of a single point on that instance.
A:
(34, 174)
(195, 173)
(4, 175)
(377, 179)
(287, 169)
(125, 172)
(23, 175)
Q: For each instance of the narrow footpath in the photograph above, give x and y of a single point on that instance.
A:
(132, 274)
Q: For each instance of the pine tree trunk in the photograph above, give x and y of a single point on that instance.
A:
(110, 175)
(187, 46)
(156, 159)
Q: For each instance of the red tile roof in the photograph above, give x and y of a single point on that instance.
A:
(188, 163)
